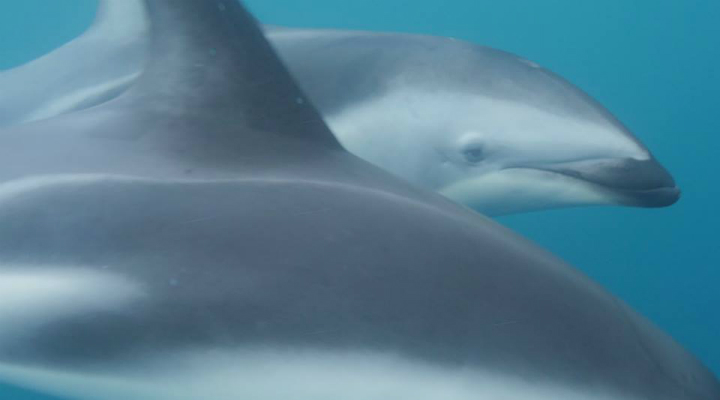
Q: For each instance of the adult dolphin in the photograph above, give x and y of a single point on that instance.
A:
(205, 236)
(486, 128)
(483, 127)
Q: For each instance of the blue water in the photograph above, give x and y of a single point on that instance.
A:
(654, 63)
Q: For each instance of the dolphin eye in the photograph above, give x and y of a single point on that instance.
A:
(473, 154)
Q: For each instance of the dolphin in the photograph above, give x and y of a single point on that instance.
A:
(204, 235)
(483, 127)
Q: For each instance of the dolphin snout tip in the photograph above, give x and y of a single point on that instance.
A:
(654, 198)
(643, 183)
(650, 184)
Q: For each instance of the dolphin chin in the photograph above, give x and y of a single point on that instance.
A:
(523, 189)
(636, 183)
(645, 198)
(653, 198)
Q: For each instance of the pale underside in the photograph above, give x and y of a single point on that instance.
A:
(289, 374)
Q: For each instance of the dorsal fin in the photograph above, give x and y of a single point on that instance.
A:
(209, 61)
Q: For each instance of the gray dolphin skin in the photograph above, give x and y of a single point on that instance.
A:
(483, 127)
(90, 70)
(204, 235)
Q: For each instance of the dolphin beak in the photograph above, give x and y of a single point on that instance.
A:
(638, 183)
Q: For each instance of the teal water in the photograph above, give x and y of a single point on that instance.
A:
(654, 63)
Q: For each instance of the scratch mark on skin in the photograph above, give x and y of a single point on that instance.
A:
(321, 332)
(196, 220)
(309, 212)
(506, 323)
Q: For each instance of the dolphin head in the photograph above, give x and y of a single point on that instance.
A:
(508, 156)
(528, 139)
(498, 133)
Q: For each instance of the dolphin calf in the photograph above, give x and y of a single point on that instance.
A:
(204, 235)
(483, 127)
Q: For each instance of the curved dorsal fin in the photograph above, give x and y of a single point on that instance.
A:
(209, 61)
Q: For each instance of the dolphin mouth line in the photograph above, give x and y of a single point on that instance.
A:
(655, 197)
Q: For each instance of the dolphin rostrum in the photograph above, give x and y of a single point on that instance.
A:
(483, 127)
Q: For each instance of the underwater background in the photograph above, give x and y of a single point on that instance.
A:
(654, 63)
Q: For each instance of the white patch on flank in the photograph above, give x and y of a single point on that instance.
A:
(418, 136)
(292, 375)
(515, 131)
(34, 295)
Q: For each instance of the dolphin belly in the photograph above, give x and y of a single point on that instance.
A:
(299, 373)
